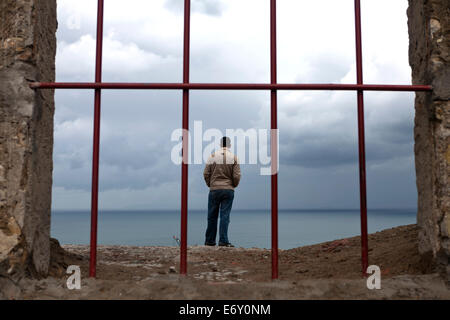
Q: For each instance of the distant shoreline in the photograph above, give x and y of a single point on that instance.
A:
(248, 228)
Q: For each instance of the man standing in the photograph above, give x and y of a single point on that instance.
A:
(222, 174)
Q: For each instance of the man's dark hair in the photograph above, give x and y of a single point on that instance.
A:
(225, 142)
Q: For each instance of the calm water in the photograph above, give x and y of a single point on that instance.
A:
(247, 228)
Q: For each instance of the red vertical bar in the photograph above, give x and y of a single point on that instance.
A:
(361, 142)
(96, 144)
(184, 165)
(274, 136)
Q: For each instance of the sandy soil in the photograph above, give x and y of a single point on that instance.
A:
(329, 270)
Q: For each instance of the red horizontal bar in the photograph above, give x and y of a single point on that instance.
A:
(227, 86)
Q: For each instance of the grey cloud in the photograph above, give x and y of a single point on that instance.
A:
(137, 126)
(70, 35)
(209, 7)
(136, 129)
(121, 167)
(334, 153)
(327, 68)
(319, 153)
(318, 162)
(135, 139)
(325, 145)
(122, 153)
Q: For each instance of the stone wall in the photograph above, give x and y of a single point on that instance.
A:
(429, 55)
(27, 53)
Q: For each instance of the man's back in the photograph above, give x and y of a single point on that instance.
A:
(222, 170)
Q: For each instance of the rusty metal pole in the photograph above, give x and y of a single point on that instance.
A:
(96, 143)
(361, 142)
(185, 144)
(274, 136)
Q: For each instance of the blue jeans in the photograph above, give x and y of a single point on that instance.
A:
(223, 200)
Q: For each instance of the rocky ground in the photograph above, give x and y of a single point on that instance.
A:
(324, 271)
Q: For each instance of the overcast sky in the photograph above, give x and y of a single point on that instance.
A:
(230, 43)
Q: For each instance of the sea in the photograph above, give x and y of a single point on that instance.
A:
(247, 229)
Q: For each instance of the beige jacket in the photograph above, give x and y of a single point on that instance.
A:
(222, 170)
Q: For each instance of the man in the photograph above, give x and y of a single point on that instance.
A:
(222, 174)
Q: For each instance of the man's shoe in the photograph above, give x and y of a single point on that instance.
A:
(210, 244)
(226, 245)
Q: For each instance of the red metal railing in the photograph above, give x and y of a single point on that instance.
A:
(359, 87)
(227, 86)
(184, 164)
(361, 141)
(96, 143)
(273, 137)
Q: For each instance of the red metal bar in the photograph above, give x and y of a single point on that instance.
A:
(96, 143)
(228, 86)
(184, 165)
(361, 142)
(274, 138)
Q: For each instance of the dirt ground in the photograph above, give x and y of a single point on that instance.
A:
(330, 270)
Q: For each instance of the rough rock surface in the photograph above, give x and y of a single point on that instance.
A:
(429, 55)
(330, 270)
(27, 53)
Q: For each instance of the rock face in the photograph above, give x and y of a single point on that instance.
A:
(27, 53)
(429, 55)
